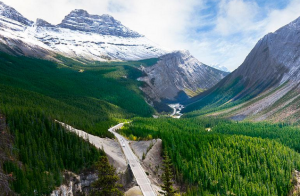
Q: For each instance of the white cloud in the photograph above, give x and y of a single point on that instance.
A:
(279, 18)
(236, 16)
(238, 26)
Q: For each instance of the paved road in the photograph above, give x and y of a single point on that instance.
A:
(137, 170)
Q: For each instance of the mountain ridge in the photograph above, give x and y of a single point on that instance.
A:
(269, 73)
(79, 35)
(13, 14)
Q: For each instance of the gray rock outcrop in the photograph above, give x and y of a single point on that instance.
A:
(42, 23)
(176, 75)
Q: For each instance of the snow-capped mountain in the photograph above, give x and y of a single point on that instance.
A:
(176, 76)
(79, 35)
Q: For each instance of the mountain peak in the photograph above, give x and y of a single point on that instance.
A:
(79, 12)
(183, 70)
(81, 20)
(182, 52)
(13, 14)
(42, 23)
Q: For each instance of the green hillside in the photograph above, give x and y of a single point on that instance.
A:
(103, 92)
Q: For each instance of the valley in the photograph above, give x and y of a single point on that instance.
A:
(89, 105)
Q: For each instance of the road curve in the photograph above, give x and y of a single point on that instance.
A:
(137, 170)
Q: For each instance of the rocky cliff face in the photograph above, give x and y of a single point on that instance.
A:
(78, 185)
(105, 24)
(269, 76)
(274, 60)
(177, 76)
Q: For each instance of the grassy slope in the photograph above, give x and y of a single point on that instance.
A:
(214, 99)
(226, 101)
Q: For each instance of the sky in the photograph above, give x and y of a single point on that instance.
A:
(216, 32)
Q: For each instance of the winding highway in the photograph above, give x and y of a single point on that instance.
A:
(137, 170)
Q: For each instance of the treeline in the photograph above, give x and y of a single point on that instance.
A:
(208, 162)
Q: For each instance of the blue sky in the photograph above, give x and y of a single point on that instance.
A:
(231, 28)
(217, 32)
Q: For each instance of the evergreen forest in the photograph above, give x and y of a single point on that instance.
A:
(222, 157)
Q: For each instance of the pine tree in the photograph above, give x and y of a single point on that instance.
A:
(106, 185)
(167, 177)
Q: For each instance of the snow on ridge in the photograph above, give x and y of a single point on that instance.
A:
(96, 46)
(77, 43)
(11, 13)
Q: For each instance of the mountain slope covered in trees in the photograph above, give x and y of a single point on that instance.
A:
(100, 93)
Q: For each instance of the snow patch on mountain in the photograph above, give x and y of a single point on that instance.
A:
(95, 46)
(220, 67)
